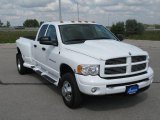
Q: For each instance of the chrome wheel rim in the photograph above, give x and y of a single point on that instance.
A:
(67, 91)
(18, 65)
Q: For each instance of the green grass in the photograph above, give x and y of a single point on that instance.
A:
(147, 35)
(12, 36)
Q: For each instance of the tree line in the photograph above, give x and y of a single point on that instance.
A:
(127, 28)
(5, 25)
(26, 23)
(130, 27)
(32, 23)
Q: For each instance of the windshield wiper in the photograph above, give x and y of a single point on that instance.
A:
(74, 41)
(102, 38)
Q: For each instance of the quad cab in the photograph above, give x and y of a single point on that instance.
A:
(84, 58)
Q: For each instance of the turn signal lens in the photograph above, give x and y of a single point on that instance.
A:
(79, 69)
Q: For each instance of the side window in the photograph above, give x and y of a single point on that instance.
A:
(52, 32)
(42, 31)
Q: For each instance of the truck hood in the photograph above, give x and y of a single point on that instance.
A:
(105, 49)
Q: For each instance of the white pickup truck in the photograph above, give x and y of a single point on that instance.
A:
(84, 58)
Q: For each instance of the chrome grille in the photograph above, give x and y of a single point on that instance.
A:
(125, 65)
(139, 58)
(115, 70)
(116, 61)
(138, 67)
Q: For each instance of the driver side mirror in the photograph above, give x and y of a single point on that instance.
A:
(120, 37)
(47, 41)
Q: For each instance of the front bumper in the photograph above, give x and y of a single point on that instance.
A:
(87, 84)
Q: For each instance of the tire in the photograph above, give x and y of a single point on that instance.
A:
(21, 69)
(71, 95)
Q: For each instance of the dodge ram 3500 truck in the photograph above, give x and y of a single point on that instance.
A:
(84, 58)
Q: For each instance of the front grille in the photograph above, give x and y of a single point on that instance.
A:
(115, 70)
(125, 65)
(116, 61)
(138, 58)
(138, 67)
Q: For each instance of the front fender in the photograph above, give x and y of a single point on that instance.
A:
(74, 59)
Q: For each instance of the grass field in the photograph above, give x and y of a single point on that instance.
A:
(12, 36)
(147, 35)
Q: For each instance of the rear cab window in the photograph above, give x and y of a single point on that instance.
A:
(51, 32)
(42, 31)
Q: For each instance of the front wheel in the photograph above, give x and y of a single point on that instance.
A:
(70, 92)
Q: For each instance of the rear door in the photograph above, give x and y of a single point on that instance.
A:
(38, 52)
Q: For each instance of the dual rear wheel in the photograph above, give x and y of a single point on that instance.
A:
(19, 60)
(20, 67)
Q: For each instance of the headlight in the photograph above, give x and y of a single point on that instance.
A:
(88, 69)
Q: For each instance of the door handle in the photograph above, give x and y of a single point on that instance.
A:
(44, 49)
(35, 46)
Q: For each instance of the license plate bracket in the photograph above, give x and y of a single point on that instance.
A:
(133, 89)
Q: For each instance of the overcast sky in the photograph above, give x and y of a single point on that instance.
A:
(102, 11)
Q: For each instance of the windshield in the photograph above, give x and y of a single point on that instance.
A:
(79, 33)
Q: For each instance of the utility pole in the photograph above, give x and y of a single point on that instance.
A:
(108, 19)
(60, 11)
(77, 9)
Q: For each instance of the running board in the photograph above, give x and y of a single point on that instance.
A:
(44, 75)
(38, 72)
(36, 69)
(29, 65)
(49, 79)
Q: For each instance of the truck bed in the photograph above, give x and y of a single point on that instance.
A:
(30, 37)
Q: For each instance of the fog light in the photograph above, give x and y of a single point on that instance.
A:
(93, 90)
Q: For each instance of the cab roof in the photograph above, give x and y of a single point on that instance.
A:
(69, 22)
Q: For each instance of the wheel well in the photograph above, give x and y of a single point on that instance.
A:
(64, 68)
(18, 51)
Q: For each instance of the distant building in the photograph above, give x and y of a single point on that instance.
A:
(19, 27)
(151, 28)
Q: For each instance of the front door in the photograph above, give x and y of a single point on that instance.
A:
(51, 54)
